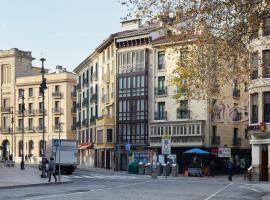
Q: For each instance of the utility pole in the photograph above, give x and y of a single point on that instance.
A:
(23, 108)
(42, 89)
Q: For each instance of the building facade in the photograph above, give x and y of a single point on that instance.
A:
(259, 95)
(20, 79)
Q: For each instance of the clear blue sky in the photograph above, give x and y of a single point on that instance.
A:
(65, 31)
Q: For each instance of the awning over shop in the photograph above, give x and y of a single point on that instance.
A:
(85, 146)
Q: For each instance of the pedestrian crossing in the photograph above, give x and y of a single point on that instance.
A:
(98, 176)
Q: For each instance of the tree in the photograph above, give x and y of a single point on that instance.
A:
(221, 31)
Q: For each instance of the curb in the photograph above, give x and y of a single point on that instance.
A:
(35, 185)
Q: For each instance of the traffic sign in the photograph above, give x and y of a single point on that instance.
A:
(166, 145)
(127, 147)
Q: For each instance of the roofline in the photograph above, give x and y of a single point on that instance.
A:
(105, 43)
(87, 59)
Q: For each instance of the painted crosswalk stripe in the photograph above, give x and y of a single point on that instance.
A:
(76, 176)
(84, 176)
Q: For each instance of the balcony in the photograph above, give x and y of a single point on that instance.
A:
(57, 127)
(73, 94)
(94, 76)
(40, 129)
(215, 140)
(236, 93)
(92, 120)
(19, 129)
(20, 112)
(57, 94)
(183, 113)
(30, 112)
(93, 98)
(85, 83)
(29, 129)
(73, 127)
(5, 130)
(106, 77)
(5, 109)
(78, 87)
(40, 111)
(161, 115)
(57, 111)
(78, 106)
(161, 91)
(78, 124)
(85, 102)
(105, 98)
(236, 142)
(73, 110)
(84, 122)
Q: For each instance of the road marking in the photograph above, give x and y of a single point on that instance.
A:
(221, 190)
(98, 189)
(76, 176)
(84, 176)
(253, 189)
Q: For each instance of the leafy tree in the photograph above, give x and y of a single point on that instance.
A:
(221, 32)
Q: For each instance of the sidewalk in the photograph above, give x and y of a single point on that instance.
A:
(100, 170)
(11, 177)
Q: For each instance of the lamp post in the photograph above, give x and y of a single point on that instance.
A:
(22, 110)
(12, 133)
(42, 89)
(59, 151)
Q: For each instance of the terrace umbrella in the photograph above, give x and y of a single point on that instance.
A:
(196, 151)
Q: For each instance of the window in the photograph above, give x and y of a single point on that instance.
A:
(5, 103)
(266, 107)
(31, 148)
(161, 110)
(20, 122)
(108, 53)
(40, 105)
(21, 92)
(266, 26)
(161, 60)
(30, 123)
(266, 64)
(235, 136)
(254, 65)
(30, 92)
(109, 135)
(5, 122)
(20, 148)
(30, 106)
(100, 136)
(183, 58)
(254, 108)
(40, 122)
(161, 83)
(57, 88)
(41, 143)
(57, 104)
(56, 121)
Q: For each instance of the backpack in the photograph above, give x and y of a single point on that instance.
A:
(47, 167)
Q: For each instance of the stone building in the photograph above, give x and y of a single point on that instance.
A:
(19, 78)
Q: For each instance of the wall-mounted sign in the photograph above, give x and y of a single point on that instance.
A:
(224, 152)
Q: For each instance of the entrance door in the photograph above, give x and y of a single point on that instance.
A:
(102, 159)
(264, 167)
(5, 149)
(108, 159)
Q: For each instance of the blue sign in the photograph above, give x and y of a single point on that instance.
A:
(56, 143)
(127, 147)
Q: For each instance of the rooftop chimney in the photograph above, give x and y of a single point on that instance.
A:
(131, 24)
(59, 69)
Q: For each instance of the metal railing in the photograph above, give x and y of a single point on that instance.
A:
(183, 113)
(160, 91)
(57, 110)
(161, 115)
(57, 94)
(5, 109)
(215, 140)
(93, 98)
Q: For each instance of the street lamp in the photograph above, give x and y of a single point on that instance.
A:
(12, 133)
(22, 110)
(59, 150)
(42, 89)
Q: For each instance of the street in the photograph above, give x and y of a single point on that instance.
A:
(119, 185)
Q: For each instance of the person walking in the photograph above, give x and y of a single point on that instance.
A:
(230, 169)
(212, 167)
(52, 166)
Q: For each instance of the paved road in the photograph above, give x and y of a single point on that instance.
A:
(121, 186)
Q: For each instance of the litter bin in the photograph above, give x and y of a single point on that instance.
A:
(141, 168)
(133, 167)
(148, 169)
(174, 170)
(166, 170)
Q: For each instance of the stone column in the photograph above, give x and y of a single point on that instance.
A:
(256, 161)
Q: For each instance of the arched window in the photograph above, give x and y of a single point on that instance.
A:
(41, 147)
(20, 148)
(31, 148)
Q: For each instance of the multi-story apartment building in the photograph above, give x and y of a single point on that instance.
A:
(95, 106)
(20, 79)
(259, 98)
(217, 122)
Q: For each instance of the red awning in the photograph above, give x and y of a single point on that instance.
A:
(85, 146)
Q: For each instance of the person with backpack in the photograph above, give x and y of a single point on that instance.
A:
(51, 171)
(230, 169)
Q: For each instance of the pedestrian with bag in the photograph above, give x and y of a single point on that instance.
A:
(52, 166)
(230, 169)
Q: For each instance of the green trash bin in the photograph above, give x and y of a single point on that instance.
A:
(133, 167)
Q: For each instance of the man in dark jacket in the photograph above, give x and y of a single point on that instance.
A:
(52, 166)
(230, 169)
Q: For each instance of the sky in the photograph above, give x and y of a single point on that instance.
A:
(65, 32)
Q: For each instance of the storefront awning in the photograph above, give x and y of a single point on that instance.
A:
(85, 146)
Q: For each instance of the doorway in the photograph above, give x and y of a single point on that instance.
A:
(5, 149)
(264, 166)
(108, 159)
